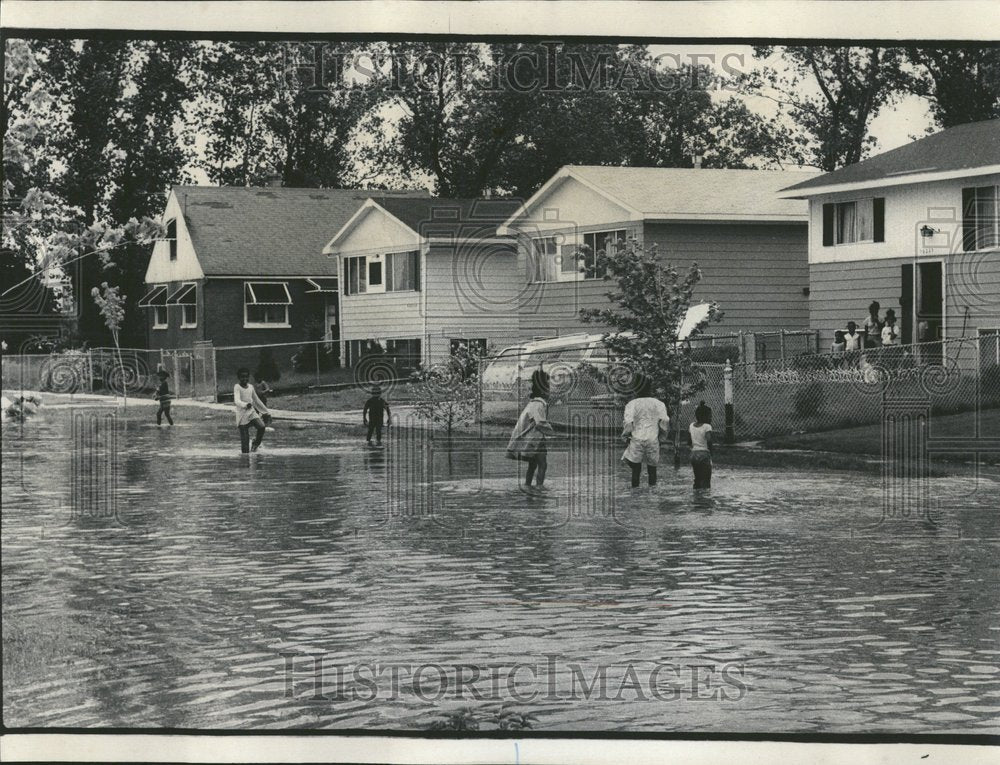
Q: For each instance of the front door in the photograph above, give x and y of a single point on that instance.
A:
(922, 307)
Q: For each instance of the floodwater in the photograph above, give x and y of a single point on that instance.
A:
(320, 584)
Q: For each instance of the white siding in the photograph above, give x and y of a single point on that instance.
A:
(161, 268)
(907, 209)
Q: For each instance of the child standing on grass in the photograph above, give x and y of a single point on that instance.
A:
(376, 409)
(163, 396)
(645, 418)
(249, 409)
(701, 447)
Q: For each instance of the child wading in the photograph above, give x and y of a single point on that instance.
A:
(249, 409)
(527, 441)
(163, 396)
(645, 418)
(701, 446)
(376, 408)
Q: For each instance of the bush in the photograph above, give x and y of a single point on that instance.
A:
(809, 400)
(267, 369)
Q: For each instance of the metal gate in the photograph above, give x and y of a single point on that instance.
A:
(192, 370)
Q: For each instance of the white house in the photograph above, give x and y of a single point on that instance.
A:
(421, 275)
(915, 229)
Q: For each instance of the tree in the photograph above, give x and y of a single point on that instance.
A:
(111, 305)
(648, 307)
(832, 94)
(265, 110)
(447, 394)
(962, 84)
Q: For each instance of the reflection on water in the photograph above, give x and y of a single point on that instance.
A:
(183, 610)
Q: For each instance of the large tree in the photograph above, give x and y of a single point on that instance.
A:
(276, 108)
(831, 94)
(961, 83)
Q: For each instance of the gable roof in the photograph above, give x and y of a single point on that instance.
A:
(673, 193)
(437, 217)
(267, 231)
(971, 149)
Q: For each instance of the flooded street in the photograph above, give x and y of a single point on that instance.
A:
(221, 582)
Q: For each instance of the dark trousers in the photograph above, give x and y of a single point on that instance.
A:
(376, 428)
(637, 473)
(701, 463)
(537, 466)
(245, 435)
(164, 410)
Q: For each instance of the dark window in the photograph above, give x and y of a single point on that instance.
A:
(357, 275)
(600, 242)
(172, 238)
(375, 273)
(828, 213)
(878, 214)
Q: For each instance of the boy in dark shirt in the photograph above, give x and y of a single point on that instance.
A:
(163, 396)
(372, 416)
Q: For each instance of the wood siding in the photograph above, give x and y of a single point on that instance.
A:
(757, 274)
(841, 292)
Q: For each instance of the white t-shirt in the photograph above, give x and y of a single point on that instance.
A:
(699, 436)
(645, 414)
(852, 342)
(890, 335)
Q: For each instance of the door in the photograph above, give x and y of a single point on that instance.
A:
(331, 329)
(922, 307)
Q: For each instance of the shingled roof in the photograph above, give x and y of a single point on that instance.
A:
(268, 231)
(672, 193)
(958, 150)
(438, 217)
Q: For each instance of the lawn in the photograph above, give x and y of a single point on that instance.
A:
(867, 439)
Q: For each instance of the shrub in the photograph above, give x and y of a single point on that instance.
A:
(267, 369)
(809, 400)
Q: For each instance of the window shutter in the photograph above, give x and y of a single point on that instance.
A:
(878, 214)
(828, 224)
(968, 219)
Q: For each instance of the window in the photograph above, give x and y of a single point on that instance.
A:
(475, 345)
(543, 260)
(375, 283)
(861, 220)
(402, 271)
(404, 354)
(156, 299)
(187, 298)
(356, 275)
(598, 242)
(172, 238)
(265, 305)
(980, 218)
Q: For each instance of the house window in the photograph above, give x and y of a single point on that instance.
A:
(172, 238)
(404, 354)
(552, 261)
(265, 305)
(356, 272)
(980, 218)
(860, 220)
(475, 345)
(187, 298)
(375, 283)
(402, 271)
(596, 243)
(156, 299)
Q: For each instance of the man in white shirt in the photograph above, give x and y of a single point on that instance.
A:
(645, 418)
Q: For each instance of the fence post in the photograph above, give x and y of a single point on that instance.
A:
(727, 385)
(781, 343)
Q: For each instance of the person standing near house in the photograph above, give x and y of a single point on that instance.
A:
(701, 446)
(527, 440)
(890, 332)
(644, 420)
(838, 348)
(375, 415)
(873, 326)
(249, 411)
(853, 342)
(263, 389)
(163, 396)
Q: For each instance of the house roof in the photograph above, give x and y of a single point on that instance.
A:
(268, 231)
(439, 217)
(671, 193)
(971, 149)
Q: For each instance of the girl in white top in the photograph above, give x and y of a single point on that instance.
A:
(249, 409)
(701, 446)
(527, 441)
